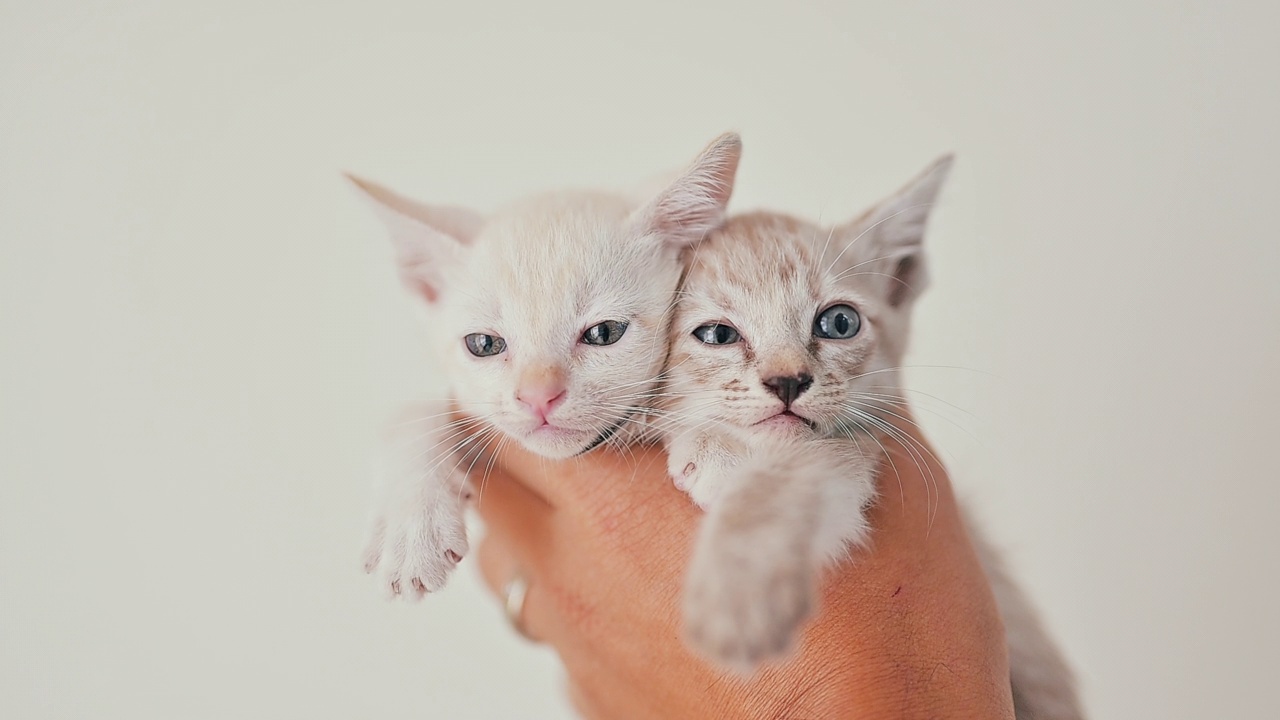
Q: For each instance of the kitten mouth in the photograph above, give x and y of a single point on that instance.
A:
(552, 427)
(609, 432)
(786, 417)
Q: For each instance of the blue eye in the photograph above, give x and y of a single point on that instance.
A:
(717, 334)
(838, 322)
(606, 333)
(482, 345)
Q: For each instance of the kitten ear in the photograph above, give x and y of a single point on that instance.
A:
(427, 239)
(888, 240)
(694, 204)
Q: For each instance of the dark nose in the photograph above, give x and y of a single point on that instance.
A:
(789, 387)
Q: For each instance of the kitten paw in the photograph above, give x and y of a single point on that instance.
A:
(704, 487)
(741, 610)
(412, 551)
(683, 477)
(701, 466)
(702, 482)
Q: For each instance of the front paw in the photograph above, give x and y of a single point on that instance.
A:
(683, 473)
(701, 466)
(704, 488)
(742, 609)
(703, 479)
(412, 550)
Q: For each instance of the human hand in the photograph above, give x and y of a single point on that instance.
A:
(906, 629)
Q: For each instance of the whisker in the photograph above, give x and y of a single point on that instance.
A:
(873, 226)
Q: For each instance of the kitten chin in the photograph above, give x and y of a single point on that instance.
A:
(558, 443)
(784, 425)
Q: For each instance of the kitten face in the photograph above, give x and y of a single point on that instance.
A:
(765, 277)
(786, 328)
(579, 300)
(552, 316)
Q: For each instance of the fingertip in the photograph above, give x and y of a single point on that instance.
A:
(496, 563)
(585, 480)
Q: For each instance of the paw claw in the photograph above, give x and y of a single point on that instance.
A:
(418, 548)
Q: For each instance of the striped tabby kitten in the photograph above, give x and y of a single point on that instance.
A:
(783, 379)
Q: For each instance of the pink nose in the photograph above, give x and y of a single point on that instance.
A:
(541, 399)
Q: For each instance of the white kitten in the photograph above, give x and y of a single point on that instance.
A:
(783, 382)
(551, 320)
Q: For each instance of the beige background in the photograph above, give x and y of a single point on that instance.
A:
(201, 331)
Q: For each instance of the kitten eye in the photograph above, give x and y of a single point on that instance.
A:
(606, 333)
(717, 334)
(482, 345)
(838, 322)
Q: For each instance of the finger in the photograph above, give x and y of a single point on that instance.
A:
(600, 476)
(581, 702)
(498, 563)
(575, 481)
(508, 506)
(484, 458)
(501, 562)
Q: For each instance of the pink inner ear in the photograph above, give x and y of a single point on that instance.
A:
(419, 286)
(688, 218)
(904, 275)
(695, 203)
(425, 290)
(684, 220)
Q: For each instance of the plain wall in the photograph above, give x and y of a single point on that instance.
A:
(201, 332)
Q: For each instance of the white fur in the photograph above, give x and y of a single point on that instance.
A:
(774, 524)
(781, 503)
(537, 274)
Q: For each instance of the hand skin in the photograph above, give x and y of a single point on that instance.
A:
(905, 629)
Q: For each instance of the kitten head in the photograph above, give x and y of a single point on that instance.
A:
(787, 328)
(552, 315)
